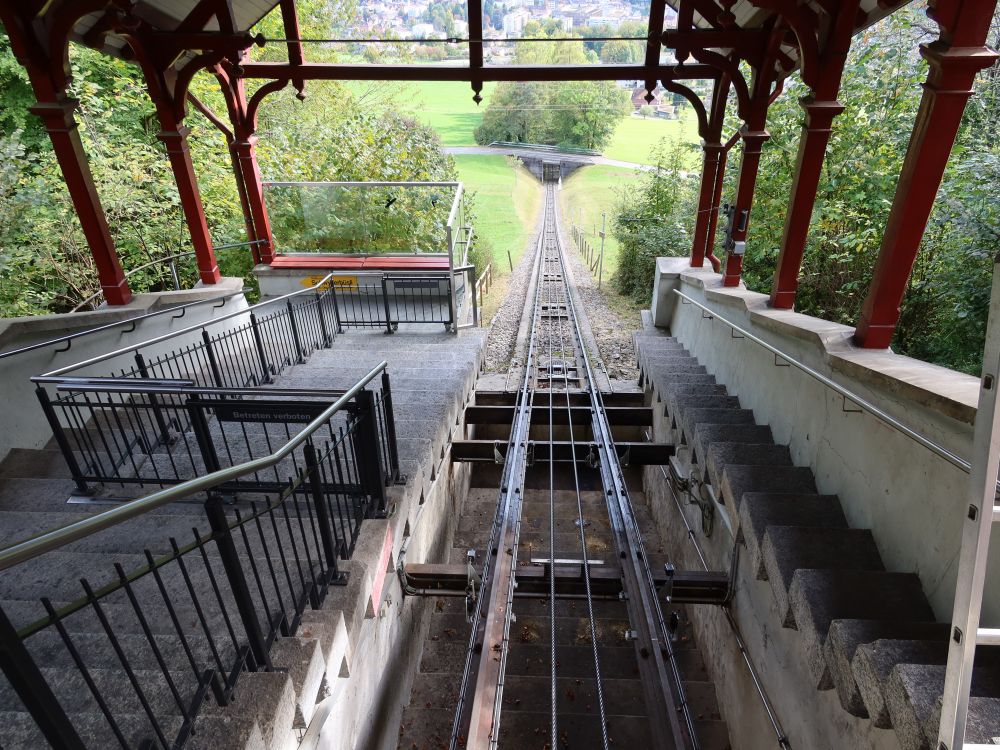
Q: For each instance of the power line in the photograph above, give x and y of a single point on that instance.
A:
(262, 40)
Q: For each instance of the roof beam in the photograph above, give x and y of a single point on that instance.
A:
(337, 71)
(475, 8)
(657, 10)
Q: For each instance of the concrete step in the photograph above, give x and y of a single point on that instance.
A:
(574, 696)
(759, 510)
(722, 454)
(847, 635)
(570, 631)
(678, 404)
(31, 463)
(789, 548)
(820, 596)
(526, 730)
(705, 435)
(737, 480)
(425, 728)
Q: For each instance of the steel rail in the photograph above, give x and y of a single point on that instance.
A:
(952, 458)
(124, 321)
(29, 549)
(504, 531)
(190, 329)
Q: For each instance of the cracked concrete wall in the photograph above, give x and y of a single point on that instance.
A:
(909, 497)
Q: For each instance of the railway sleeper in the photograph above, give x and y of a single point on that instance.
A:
(685, 586)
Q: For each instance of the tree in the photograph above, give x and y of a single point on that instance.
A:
(45, 263)
(617, 52)
(653, 220)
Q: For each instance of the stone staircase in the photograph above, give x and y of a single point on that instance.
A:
(163, 644)
(525, 718)
(868, 633)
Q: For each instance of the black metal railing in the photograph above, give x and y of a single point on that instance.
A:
(115, 431)
(395, 299)
(175, 607)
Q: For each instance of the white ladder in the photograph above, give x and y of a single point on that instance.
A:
(981, 513)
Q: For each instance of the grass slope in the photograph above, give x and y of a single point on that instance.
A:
(589, 192)
(636, 137)
(506, 203)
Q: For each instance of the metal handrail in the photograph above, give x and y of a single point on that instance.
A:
(29, 549)
(947, 455)
(172, 260)
(79, 334)
(125, 350)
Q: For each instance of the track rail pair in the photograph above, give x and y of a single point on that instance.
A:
(556, 370)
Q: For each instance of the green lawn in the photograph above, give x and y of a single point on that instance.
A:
(446, 107)
(449, 109)
(636, 137)
(589, 192)
(506, 203)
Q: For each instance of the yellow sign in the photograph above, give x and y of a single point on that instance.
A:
(345, 283)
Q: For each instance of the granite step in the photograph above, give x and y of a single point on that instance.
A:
(759, 510)
(873, 664)
(691, 419)
(787, 549)
(847, 635)
(737, 480)
(722, 454)
(818, 597)
(705, 435)
(911, 696)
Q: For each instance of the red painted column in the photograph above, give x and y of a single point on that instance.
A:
(194, 211)
(753, 141)
(709, 170)
(59, 123)
(809, 166)
(246, 153)
(948, 88)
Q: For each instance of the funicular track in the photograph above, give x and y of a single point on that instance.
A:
(578, 532)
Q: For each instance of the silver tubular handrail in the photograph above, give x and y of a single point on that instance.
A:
(57, 538)
(149, 342)
(882, 416)
(124, 321)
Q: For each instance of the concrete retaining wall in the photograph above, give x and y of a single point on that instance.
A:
(23, 425)
(366, 700)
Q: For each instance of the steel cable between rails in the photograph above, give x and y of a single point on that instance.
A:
(546, 234)
(583, 541)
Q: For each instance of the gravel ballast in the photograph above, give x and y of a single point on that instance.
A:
(612, 331)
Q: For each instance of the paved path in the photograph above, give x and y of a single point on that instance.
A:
(532, 154)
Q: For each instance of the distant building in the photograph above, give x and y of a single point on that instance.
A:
(423, 31)
(639, 97)
(513, 23)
